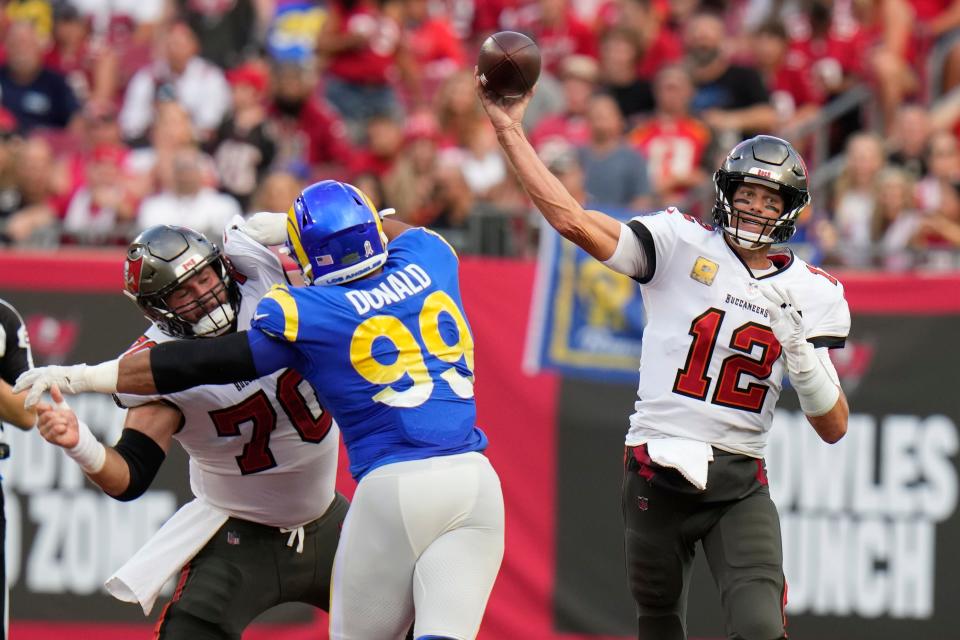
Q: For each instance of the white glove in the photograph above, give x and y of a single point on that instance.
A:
(78, 378)
(815, 388)
(787, 325)
(266, 227)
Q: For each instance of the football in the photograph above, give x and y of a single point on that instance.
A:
(508, 64)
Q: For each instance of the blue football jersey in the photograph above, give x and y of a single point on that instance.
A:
(390, 355)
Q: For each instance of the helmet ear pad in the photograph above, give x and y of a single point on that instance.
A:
(771, 162)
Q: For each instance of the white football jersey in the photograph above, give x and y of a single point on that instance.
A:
(262, 450)
(710, 368)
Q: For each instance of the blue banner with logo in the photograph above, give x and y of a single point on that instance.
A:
(293, 32)
(587, 320)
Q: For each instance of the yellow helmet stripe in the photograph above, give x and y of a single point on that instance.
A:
(369, 203)
(291, 316)
(293, 234)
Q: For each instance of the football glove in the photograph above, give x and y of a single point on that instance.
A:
(266, 227)
(815, 388)
(78, 378)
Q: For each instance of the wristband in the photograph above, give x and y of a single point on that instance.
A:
(817, 391)
(102, 377)
(89, 453)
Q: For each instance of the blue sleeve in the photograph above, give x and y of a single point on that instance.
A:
(271, 354)
(278, 314)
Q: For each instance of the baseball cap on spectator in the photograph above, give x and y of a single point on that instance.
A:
(421, 125)
(580, 67)
(108, 154)
(251, 74)
(8, 124)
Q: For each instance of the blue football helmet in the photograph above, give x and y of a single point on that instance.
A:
(334, 233)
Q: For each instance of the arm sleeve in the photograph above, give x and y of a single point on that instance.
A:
(143, 457)
(182, 364)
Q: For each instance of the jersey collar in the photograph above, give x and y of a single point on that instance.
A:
(781, 260)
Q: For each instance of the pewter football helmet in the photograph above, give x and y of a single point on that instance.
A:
(161, 259)
(770, 162)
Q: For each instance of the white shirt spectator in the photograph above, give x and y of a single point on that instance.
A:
(208, 211)
(202, 89)
(102, 11)
(84, 218)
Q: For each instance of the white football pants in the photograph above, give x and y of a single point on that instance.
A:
(422, 539)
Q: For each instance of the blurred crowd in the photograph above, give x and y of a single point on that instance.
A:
(121, 114)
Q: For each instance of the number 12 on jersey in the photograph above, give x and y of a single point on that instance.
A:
(692, 380)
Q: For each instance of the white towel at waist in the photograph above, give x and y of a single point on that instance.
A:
(180, 538)
(690, 457)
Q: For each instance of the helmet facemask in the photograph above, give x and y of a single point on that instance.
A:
(768, 231)
(769, 162)
(218, 317)
(153, 276)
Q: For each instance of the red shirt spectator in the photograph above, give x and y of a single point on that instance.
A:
(374, 39)
(786, 72)
(315, 134)
(657, 44)
(674, 148)
(307, 129)
(674, 143)
(578, 77)
(556, 29)
(385, 142)
(926, 10)
(665, 48)
(432, 39)
(434, 46)
(73, 55)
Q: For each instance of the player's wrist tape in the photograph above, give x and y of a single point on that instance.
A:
(101, 378)
(89, 452)
(818, 393)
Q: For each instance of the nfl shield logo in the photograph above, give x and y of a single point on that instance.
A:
(642, 503)
(232, 538)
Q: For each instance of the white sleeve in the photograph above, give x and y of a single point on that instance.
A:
(249, 257)
(830, 324)
(629, 258)
(137, 110)
(216, 99)
(658, 235)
